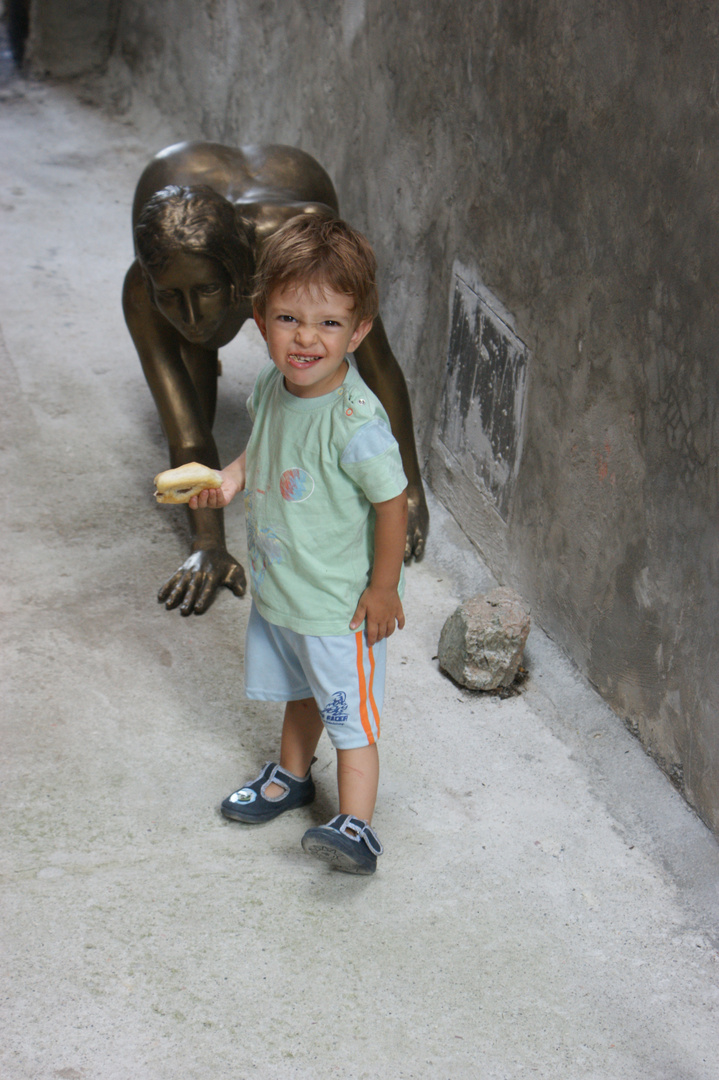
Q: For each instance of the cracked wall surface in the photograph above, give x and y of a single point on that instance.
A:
(566, 154)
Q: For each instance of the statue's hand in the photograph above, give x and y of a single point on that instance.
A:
(417, 523)
(194, 584)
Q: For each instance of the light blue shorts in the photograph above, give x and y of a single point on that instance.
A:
(343, 674)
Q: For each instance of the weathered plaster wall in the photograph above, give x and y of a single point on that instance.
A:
(566, 155)
(71, 37)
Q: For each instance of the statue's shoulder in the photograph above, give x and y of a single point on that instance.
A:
(133, 290)
(139, 310)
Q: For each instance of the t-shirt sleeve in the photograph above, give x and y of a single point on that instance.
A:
(260, 386)
(372, 460)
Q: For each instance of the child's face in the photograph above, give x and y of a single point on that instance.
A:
(308, 331)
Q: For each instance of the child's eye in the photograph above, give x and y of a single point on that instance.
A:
(285, 318)
(331, 322)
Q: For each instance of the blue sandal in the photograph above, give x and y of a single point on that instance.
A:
(347, 843)
(251, 805)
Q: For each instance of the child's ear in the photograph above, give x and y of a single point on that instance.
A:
(361, 332)
(260, 322)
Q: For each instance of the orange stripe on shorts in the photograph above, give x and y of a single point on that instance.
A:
(363, 689)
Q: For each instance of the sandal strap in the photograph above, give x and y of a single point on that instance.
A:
(272, 773)
(279, 771)
(372, 840)
(358, 829)
(277, 777)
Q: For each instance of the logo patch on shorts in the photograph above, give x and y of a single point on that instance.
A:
(336, 712)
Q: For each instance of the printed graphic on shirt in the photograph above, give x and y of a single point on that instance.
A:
(264, 545)
(296, 485)
(336, 712)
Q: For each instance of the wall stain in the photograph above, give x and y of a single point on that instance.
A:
(481, 418)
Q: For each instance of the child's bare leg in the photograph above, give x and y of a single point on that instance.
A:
(357, 780)
(341, 843)
(301, 732)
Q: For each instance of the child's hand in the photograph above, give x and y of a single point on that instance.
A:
(380, 608)
(214, 498)
(233, 480)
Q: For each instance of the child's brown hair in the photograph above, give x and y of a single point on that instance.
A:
(313, 250)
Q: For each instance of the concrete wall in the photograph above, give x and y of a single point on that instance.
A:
(540, 176)
(71, 37)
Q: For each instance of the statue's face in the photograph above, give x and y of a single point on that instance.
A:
(194, 293)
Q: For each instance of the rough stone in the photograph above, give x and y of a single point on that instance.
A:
(482, 642)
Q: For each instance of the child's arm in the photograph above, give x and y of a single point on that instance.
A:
(233, 480)
(380, 604)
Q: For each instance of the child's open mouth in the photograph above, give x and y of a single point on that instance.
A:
(302, 361)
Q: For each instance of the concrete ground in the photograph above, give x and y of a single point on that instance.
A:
(547, 904)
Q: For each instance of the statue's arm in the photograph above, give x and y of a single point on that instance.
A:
(158, 347)
(189, 438)
(378, 367)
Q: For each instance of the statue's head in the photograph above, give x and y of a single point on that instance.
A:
(189, 236)
(198, 221)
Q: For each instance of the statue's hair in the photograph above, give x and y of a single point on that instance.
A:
(194, 220)
(319, 251)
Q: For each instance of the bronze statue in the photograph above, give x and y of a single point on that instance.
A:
(200, 215)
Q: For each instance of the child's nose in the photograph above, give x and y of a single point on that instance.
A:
(305, 333)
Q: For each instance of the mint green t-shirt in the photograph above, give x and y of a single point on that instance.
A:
(314, 468)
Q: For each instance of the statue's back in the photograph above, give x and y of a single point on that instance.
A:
(249, 174)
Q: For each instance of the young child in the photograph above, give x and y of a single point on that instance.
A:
(326, 520)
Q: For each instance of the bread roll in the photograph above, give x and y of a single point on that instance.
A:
(179, 485)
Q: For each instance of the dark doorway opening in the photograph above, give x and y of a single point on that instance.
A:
(17, 18)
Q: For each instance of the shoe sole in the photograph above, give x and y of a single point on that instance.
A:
(337, 858)
(257, 819)
(250, 820)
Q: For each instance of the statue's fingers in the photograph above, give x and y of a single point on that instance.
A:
(408, 549)
(414, 546)
(235, 580)
(175, 597)
(175, 589)
(181, 589)
(192, 591)
(164, 591)
(206, 594)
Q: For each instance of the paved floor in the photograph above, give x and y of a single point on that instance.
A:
(547, 904)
